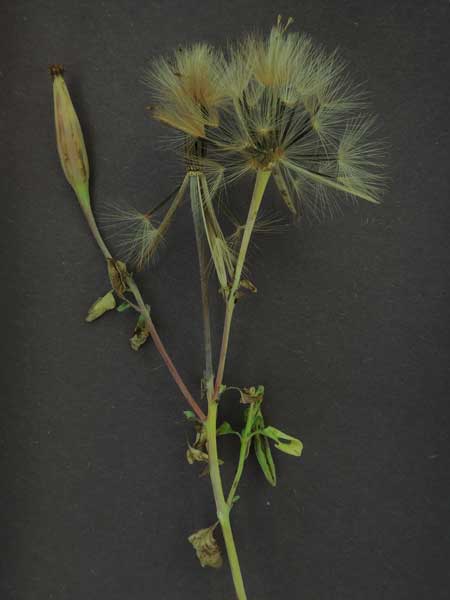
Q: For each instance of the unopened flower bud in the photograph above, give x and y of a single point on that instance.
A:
(69, 138)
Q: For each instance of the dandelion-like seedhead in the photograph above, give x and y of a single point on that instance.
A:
(278, 103)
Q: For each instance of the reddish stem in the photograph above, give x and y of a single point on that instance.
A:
(163, 352)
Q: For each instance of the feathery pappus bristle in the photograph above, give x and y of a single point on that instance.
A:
(188, 88)
(135, 234)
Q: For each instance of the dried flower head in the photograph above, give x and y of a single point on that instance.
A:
(290, 110)
(188, 89)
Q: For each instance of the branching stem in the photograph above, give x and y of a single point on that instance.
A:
(85, 205)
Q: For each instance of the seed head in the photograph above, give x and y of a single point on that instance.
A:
(291, 109)
(188, 89)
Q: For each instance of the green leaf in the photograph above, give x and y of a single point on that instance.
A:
(190, 415)
(225, 429)
(264, 456)
(100, 306)
(284, 442)
(123, 307)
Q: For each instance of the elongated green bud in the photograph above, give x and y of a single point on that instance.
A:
(72, 151)
(69, 138)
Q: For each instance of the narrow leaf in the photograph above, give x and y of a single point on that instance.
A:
(284, 442)
(123, 307)
(264, 456)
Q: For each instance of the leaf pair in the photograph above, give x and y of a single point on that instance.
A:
(262, 434)
(107, 303)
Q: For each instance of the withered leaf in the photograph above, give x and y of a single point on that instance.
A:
(206, 548)
(246, 284)
(140, 334)
(252, 394)
(195, 455)
(118, 275)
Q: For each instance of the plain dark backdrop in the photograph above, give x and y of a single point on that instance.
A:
(349, 331)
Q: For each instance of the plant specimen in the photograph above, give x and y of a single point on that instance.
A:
(275, 106)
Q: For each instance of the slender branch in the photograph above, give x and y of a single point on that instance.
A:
(164, 225)
(85, 204)
(163, 352)
(262, 178)
(203, 265)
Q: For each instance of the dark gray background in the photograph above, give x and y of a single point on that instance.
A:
(349, 331)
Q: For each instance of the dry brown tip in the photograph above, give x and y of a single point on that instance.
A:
(56, 70)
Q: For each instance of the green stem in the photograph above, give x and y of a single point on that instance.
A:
(262, 178)
(223, 510)
(222, 505)
(85, 203)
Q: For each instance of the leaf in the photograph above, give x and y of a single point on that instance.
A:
(206, 548)
(140, 334)
(100, 306)
(118, 276)
(284, 442)
(123, 307)
(245, 286)
(264, 456)
(190, 415)
(252, 394)
(225, 429)
(195, 455)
